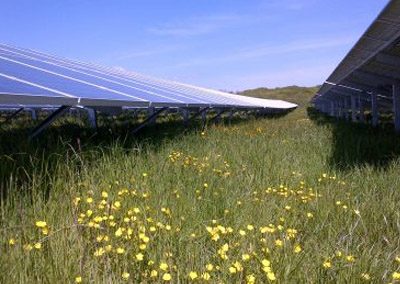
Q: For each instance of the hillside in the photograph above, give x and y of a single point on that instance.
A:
(293, 94)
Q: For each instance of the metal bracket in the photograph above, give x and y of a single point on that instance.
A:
(14, 114)
(149, 120)
(49, 120)
(218, 116)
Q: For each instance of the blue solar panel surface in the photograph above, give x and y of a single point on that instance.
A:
(96, 85)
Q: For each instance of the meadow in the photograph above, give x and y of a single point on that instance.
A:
(300, 198)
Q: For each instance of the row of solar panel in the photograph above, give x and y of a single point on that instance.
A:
(31, 77)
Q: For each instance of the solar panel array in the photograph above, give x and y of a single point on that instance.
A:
(29, 77)
(367, 80)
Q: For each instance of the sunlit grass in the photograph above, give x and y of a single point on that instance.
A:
(267, 200)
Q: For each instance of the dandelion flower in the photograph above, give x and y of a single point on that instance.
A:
(266, 262)
(297, 249)
(232, 270)
(78, 279)
(41, 224)
(206, 276)
(251, 279)
(396, 275)
(139, 256)
(120, 250)
(365, 276)
(271, 276)
(153, 273)
(167, 277)
(327, 264)
(11, 242)
(193, 275)
(125, 275)
(278, 243)
(209, 267)
(38, 246)
(163, 266)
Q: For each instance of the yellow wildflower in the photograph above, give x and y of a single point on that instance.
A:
(251, 279)
(125, 275)
(139, 256)
(297, 249)
(38, 246)
(396, 275)
(271, 276)
(78, 279)
(232, 270)
(153, 273)
(206, 276)
(278, 243)
(167, 277)
(11, 242)
(209, 267)
(163, 266)
(365, 276)
(41, 224)
(193, 275)
(120, 250)
(327, 264)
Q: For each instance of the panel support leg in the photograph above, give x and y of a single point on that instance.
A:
(230, 115)
(185, 115)
(353, 109)
(150, 114)
(49, 120)
(361, 109)
(14, 114)
(149, 120)
(332, 111)
(396, 106)
(92, 117)
(33, 114)
(217, 118)
(374, 109)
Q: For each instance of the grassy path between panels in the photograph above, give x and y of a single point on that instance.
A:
(296, 199)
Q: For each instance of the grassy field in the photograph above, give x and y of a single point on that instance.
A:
(294, 199)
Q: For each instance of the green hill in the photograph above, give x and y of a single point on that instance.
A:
(294, 94)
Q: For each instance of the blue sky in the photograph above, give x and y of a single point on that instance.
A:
(223, 44)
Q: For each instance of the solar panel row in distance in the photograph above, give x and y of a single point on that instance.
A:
(96, 85)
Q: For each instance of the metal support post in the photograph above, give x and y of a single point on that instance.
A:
(374, 109)
(332, 110)
(396, 106)
(353, 109)
(14, 114)
(361, 108)
(217, 118)
(92, 117)
(49, 120)
(185, 115)
(33, 114)
(149, 120)
(150, 114)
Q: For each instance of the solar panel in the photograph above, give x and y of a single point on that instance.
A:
(157, 92)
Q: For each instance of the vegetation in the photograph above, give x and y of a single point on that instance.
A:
(294, 199)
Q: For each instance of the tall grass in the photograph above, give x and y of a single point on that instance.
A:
(318, 199)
